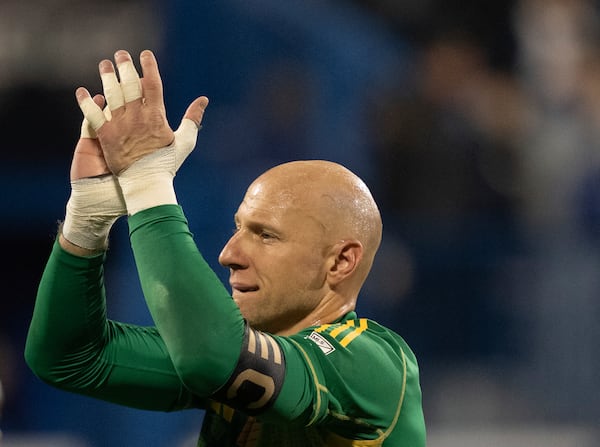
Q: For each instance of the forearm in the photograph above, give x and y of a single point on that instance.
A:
(69, 308)
(197, 318)
(72, 346)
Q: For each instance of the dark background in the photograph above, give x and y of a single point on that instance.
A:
(474, 123)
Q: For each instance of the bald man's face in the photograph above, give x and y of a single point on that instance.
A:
(277, 256)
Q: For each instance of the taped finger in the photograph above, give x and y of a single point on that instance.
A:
(87, 131)
(185, 137)
(112, 90)
(131, 86)
(92, 113)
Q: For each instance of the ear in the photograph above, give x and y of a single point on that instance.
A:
(346, 257)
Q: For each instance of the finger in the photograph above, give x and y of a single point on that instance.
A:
(187, 133)
(185, 136)
(110, 84)
(86, 129)
(107, 113)
(131, 85)
(195, 110)
(99, 100)
(151, 81)
(91, 111)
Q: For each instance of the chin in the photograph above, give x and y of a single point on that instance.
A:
(243, 306)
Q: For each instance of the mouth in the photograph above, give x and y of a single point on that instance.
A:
(238, 288)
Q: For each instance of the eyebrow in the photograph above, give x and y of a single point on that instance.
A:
(258, 223)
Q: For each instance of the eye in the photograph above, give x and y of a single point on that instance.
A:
(266, 236)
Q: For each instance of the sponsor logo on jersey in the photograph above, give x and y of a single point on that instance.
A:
(321, 342)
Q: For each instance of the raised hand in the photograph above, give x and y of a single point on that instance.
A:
(96, 200)
(88, 159)
(138, 126)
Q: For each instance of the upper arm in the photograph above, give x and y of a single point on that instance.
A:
(258, 376)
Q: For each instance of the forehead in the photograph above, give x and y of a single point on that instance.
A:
(273, 193)
(278, 204)
(263, 201)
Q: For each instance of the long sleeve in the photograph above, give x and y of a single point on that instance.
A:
(200, 323)
(72, 346)
(322, 396)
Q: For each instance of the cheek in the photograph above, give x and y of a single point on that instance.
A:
(302, 272)
(291, 269)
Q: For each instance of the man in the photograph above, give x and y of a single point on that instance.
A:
(286, 362)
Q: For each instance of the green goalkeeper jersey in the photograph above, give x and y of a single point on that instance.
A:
(364, 383)
(349, 383)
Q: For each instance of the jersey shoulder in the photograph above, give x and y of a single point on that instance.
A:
(368, 377)
(361, 338)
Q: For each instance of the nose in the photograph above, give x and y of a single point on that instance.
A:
(231, 255)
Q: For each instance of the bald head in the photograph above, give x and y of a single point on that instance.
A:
(333, 196)
(306, 235)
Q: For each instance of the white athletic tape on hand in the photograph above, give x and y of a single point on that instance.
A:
(149, 181)
(112, 90)
(94, 206)
(186, 136)
(86, 129)
(92, 113)
(131, 86)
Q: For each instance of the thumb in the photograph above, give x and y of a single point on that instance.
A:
(187, 132)
(195, 110)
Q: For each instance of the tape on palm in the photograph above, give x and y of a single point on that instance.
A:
(148, 182)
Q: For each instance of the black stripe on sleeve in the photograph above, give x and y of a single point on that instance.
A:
(258, 376)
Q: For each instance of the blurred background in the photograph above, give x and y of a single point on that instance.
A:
(476, 125)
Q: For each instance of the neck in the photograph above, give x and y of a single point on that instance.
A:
(331, 308)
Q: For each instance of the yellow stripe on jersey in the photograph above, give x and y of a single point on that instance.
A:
(335, 440)
(342, 328)
(320, 388)
(323, 327)
(402, 394)
(355, 333)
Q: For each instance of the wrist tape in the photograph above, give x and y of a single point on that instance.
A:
(149, 181)
(94, 206)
